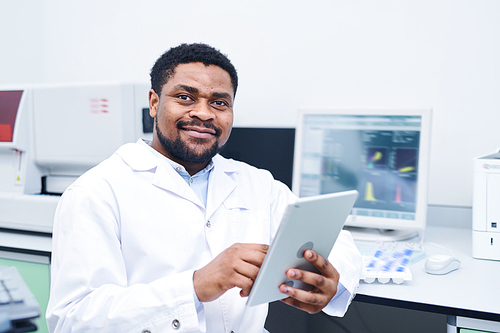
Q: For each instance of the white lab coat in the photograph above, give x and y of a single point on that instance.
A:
(129, 234)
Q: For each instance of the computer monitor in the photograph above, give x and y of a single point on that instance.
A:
(383, 154)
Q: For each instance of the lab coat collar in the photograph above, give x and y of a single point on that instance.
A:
(220, 185)
(139, 158)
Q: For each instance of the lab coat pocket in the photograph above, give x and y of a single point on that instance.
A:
(247, 224)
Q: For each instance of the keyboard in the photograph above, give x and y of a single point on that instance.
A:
(370, 248)
(17, 303)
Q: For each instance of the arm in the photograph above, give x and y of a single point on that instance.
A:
(89, 278)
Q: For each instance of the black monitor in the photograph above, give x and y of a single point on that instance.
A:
(265, 148)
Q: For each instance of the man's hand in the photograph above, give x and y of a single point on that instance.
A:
(237, 266)
(325, 285)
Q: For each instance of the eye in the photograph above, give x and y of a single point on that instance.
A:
(184, 97)
(220, 104)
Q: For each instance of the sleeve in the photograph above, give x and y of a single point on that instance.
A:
(89, 289)
(347, 260)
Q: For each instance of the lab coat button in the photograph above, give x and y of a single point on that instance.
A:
(209, 224)
(146, 331)
(176, 324)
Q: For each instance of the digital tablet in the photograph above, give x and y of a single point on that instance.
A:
(309, 223)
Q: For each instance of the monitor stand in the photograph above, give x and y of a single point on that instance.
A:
(380, 235)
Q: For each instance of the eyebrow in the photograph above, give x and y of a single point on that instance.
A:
(222, 95)
(189, 89)
(194, 90)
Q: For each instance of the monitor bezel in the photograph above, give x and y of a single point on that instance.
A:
(423, 165)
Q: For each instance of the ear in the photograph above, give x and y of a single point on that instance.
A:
(154, 101)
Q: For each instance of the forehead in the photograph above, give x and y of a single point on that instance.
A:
(200, 76)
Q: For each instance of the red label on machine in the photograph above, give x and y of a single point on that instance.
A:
(5, 133)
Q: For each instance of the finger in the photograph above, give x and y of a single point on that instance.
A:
(247, 270)
(256, 247)
(236, 266)
(245, 284)
(323, 288)
(300, 295)
(321, 282)
(252, 253)
(323, 265)
(313, 306)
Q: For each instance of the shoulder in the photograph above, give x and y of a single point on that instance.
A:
(128, 158)
(251, 178)
(238, 168)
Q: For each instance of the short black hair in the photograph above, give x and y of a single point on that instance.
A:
(165, 66)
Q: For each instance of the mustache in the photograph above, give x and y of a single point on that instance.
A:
(180, 124)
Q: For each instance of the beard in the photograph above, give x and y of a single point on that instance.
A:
(179, 150)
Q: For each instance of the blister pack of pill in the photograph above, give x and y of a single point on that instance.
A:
(388, 261)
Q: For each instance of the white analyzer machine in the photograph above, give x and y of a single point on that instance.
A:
(51, 134)
(486, 208)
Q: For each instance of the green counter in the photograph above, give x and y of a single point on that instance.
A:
(37, 277)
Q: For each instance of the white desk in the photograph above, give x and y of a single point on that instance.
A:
(472, 291)
(34, 247)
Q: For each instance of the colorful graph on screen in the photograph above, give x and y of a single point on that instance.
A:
(406, 160)
(377, 157)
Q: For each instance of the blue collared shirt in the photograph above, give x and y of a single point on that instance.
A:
(198, 182)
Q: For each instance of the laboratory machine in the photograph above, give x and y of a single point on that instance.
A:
(52, 134)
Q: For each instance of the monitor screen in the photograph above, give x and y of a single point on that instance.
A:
(9, 104)
(382, 154)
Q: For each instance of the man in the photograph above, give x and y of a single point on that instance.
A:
(168, 235)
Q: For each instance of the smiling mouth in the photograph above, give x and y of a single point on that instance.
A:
(197, 134)
(199, 129)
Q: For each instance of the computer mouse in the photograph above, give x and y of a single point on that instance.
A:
(441, 264)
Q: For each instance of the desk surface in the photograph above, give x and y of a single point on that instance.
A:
(22, 241)
(470, 291)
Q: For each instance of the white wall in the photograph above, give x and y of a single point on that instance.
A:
(439, 54)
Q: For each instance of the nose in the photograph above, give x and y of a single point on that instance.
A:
(202, 111)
